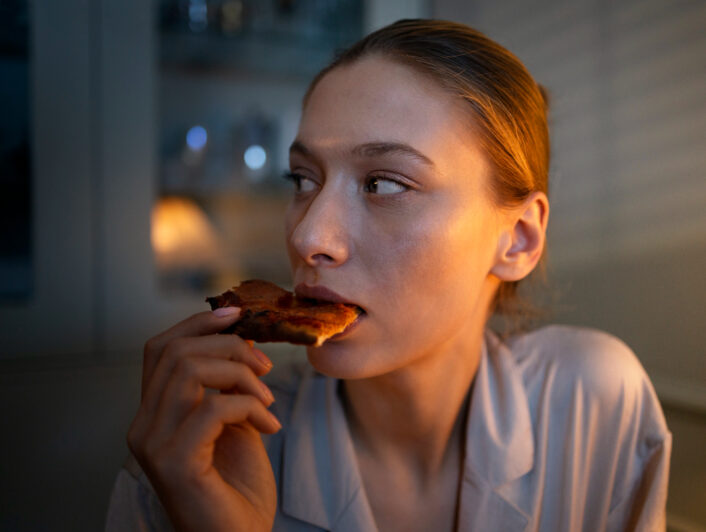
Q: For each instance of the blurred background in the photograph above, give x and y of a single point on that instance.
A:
(141, 145)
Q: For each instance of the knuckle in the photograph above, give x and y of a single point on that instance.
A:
(174, 350)
(250, 402)
(191, 395)
(238, 342)
(135, 435)
(160, 461)
(244, 349)
(249, 379)
(239, 369)
(150, 347)
(176, 347)
(245, 373)
(192, 392)
(191, 473)
(159, 457)
(212, 405)
(150, 353)
(150, 452)
(133, 442)
(187, 369)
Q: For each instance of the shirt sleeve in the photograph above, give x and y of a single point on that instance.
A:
(636, 440)
(607, 443)
(134, 506)
(644, 509)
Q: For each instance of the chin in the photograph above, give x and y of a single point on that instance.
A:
(342, 360)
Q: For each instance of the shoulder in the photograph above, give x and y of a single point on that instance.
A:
(579, 345)
(592, 403)
(578, 352)
(575, 364)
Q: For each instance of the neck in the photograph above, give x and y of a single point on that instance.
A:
(414, 417)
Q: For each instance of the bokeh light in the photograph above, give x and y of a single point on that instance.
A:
(255, 157)
(196, 138)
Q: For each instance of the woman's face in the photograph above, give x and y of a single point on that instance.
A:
(392, 211)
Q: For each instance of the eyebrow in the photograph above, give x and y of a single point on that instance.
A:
(373, 149)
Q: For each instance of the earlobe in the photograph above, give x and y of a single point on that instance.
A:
(520, 246)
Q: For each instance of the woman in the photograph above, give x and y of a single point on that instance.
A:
(420, 175)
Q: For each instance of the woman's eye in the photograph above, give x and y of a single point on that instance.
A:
(381, 185)
(302, 184)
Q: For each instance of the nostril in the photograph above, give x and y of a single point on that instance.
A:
(322, 257)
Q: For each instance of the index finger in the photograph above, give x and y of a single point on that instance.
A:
(201, 324)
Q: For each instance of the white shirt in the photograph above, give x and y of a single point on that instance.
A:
(564, 433)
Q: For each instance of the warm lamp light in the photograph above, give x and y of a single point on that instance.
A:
(182, 236)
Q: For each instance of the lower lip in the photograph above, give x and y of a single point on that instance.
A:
(348, 329)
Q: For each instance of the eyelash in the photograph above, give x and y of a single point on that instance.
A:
(297, 180)
(291, 177)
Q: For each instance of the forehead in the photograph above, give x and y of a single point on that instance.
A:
(377, 99)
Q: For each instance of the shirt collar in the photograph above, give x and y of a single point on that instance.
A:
(321, 483)
(499, 435)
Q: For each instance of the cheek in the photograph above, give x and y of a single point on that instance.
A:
(433, 272)
(435, 247)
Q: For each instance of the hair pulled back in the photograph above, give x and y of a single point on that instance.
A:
(508, 109)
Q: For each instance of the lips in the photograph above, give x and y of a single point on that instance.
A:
(322, 293)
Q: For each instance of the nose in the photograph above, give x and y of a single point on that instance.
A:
(321, 237)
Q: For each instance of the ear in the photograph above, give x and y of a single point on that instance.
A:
(520, 245)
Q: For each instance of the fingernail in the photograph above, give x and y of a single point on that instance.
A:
(269, 397)
(223, 312)
(262, 357)
(274, 420)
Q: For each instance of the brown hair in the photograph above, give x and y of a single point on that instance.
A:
(508, 107)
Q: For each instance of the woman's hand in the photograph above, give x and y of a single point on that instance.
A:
(202, 451)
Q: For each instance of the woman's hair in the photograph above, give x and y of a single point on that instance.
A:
(508, 108)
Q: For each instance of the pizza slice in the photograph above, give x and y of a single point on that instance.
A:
(271, 314)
